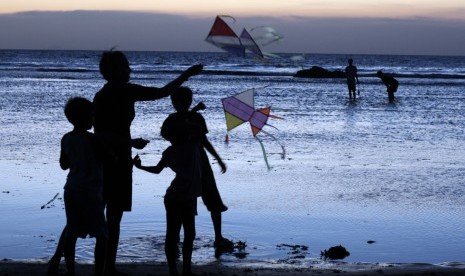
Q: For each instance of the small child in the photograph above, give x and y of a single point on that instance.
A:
(81, 153)
(185, 125)
(180, 200)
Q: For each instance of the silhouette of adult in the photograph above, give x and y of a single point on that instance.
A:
(114, 113)
(391, 85)
(352, 79)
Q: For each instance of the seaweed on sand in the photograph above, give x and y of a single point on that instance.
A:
(335, 253)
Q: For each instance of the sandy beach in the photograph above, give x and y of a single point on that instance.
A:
(8, 267)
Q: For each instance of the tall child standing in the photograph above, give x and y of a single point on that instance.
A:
(82, 153)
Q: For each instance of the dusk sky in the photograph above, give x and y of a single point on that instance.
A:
(422, 27)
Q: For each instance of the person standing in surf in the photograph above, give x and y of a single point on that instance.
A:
(352, 79)
(391, 84)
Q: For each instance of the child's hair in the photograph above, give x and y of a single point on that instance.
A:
(182, 98)
(78, 111)
(111, 64)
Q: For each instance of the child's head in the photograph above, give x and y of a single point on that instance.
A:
(181, 98)
(78, 111)
(114, 66)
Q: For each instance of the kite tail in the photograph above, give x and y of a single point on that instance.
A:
(283, 154)
(272, 127)
(264, 153)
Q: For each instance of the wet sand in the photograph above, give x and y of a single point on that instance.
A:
(8, 267)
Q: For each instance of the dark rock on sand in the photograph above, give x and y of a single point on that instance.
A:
(335, 253)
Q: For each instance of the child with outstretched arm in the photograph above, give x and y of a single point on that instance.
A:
(180, 200)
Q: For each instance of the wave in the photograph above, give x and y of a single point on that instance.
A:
(264, 73)
(64, 70)
(270, 73)
(421, 76)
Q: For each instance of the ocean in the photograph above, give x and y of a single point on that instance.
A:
(384, 180)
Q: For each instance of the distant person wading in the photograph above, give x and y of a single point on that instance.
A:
(391, 84)
(352, 79)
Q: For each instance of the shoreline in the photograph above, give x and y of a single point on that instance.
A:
(33, 268)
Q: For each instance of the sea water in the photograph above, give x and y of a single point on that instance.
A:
(353, 171)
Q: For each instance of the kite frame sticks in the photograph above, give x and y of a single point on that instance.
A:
(240, 108)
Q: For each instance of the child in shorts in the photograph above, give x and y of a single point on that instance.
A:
(180, 200)
(82, 153)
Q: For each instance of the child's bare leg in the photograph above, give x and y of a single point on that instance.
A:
(54, 262)
(173, 225)
(70, 252)
(216, 219)
(114, 217)
(188, 244)
(99, 255)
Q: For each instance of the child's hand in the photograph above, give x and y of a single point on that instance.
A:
(137, 162)
(199, 106)
(139, 143)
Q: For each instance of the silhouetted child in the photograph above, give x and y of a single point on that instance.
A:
(391, 84)
(185, 125)
(82, 153)
(180, 200)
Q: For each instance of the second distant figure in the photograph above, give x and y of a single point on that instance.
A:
(391, 85)
(352, 79)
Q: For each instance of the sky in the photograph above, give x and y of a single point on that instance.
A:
(423, 27)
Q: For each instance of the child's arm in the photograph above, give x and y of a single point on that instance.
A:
(209, 147)
(198, 107)
(64, 161)
(139, 143)
(151, 169)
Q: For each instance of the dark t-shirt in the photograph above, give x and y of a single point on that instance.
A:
(114, 113)
(185, 128)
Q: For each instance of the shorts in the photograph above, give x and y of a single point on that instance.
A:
(210, 194)
(351, 85)
(84, 214)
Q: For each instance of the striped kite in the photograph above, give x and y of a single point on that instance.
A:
(239, 109)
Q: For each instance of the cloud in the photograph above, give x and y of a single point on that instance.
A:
(100, 30)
